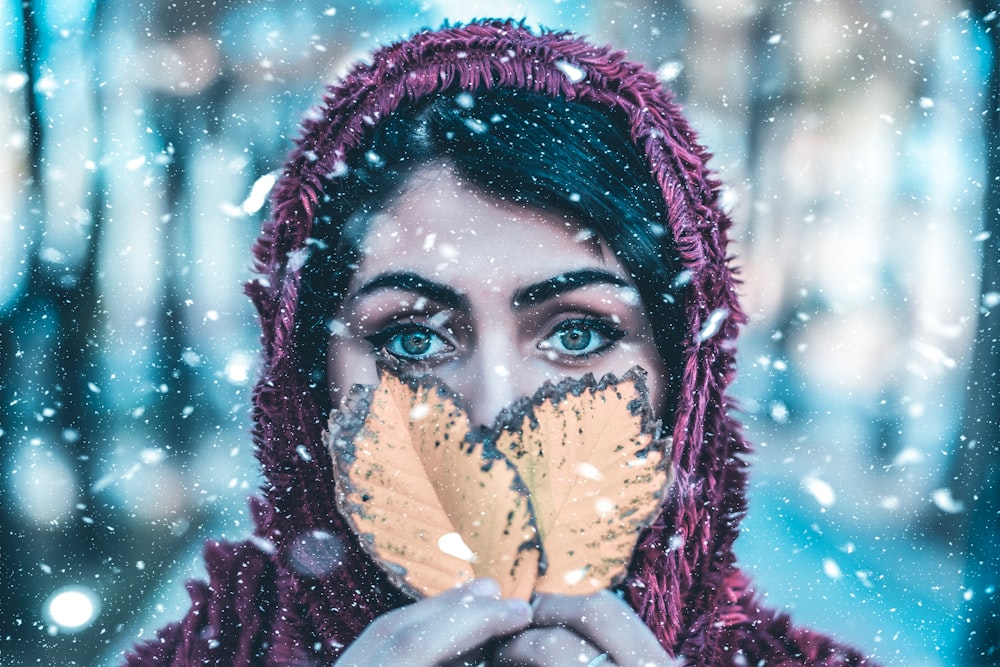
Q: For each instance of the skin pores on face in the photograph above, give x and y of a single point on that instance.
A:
(495, 298)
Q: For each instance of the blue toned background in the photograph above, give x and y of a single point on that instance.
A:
(138, 143)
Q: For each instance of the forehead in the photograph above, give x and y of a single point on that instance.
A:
(445, 229)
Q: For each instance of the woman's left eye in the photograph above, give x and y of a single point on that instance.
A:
(581, 337)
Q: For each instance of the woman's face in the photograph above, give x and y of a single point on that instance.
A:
(493, 297)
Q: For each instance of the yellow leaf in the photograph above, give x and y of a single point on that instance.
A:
(430, 507)
(587, 454)
(568, 477)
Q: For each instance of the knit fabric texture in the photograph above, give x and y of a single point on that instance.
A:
(301, 589)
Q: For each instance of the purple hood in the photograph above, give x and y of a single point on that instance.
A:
(301, 589)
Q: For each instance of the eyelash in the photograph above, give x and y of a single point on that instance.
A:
(382, 340)
(609, 331)
(386, 339)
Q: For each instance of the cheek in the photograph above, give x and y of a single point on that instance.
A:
(657, 391)
(646, 356)
(348, 363)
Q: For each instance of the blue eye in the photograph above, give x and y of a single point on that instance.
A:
(581, 337)
(410, 342)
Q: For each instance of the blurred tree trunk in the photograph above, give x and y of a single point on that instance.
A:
(50, 356)
(979, 461)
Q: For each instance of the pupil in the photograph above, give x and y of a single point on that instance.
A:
(416, 343)
(576, 339)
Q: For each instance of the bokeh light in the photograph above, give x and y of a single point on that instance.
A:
(71, 608)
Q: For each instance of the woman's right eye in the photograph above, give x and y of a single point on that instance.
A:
(410, 342)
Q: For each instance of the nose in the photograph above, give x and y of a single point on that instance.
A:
(491, 377)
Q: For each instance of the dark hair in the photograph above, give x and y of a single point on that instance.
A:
(564, 156)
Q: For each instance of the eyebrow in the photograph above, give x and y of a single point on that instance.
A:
(562, 283)
(411, 282)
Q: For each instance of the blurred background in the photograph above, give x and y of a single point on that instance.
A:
(139, 140)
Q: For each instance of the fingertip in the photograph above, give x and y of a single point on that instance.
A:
(541, 601)
(509, 617)
(483, 587)
(519, 610)
(552, 609)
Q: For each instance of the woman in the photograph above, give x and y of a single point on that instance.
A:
(500, 208)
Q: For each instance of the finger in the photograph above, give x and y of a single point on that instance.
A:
(470, 593)
(606, 621)
(547, 647)
(438, 629)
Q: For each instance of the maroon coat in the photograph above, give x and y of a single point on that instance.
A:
(300, 590)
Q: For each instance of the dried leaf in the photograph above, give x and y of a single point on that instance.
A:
(574, 475)
(587, 454)
(431, 508)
